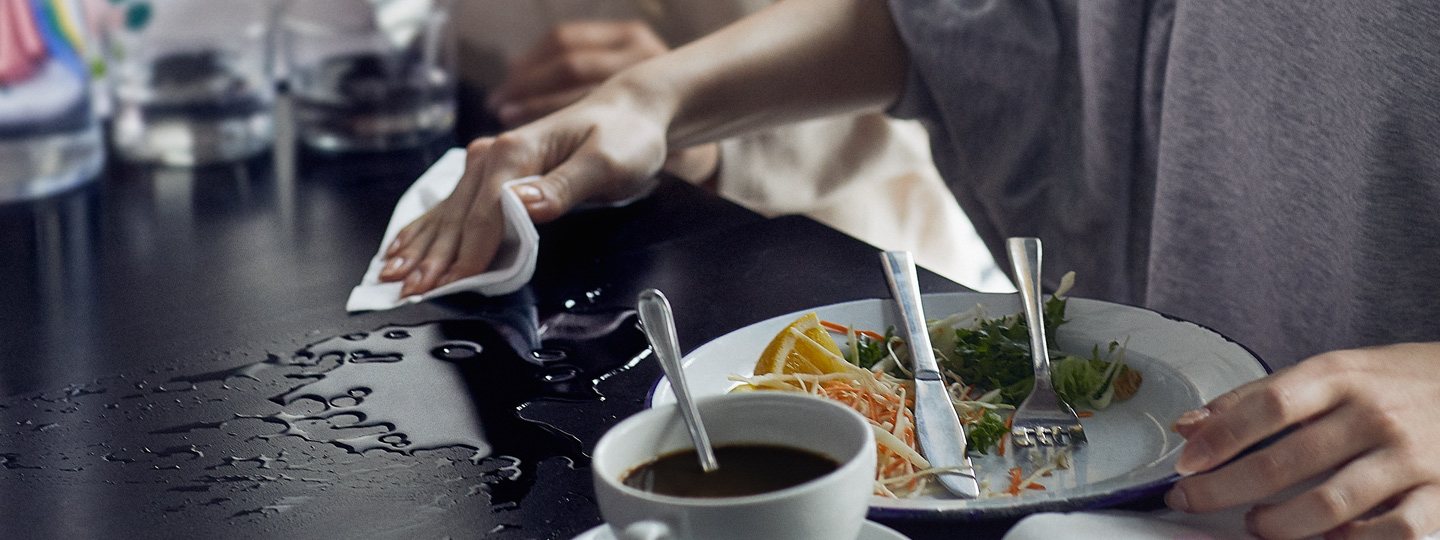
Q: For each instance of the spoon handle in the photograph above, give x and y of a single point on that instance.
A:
(659, 325)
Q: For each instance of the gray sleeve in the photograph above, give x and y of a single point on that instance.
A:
(1010, 50)
(1031, 109)
(986, 78)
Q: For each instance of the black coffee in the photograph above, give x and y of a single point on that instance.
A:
(745, 469)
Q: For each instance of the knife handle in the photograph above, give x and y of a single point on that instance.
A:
(905, 288)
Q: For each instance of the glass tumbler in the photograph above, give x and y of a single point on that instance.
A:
(193, 80)
(49, 138)
(369, 75)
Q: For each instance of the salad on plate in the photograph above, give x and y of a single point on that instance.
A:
(986, 362)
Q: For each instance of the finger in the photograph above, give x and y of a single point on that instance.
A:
(397, 265)
(415, 256)
(1416, 515)
(591, 34)
(547, 198)
(435, 262)
(1313, 449)
(479, 233)
(414, 243)
(567, 37)
(404, 262)
(697, 164)
(569, 184)
(1354, 490)
(1246, 415)
(477, 154)
(572, 70)
(402, 238)
(514, 114)
(432, 248)
(477, 250)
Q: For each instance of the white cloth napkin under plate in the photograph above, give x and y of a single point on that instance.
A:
(512, 268)
(1162, 525)
(1115, 525)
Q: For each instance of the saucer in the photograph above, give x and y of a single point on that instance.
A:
(870, 531)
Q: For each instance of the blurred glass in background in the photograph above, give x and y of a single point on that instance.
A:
(193, 80)
(49, 138)
(369, 75)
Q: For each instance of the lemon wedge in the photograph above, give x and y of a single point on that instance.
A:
(804, 346)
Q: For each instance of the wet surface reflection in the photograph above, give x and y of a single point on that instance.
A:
(432, 419)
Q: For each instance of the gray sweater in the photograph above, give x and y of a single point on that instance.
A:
(1269, 168)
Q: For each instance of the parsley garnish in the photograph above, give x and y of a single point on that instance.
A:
(997, 353)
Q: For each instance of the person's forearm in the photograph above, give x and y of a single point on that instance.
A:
(796, 60)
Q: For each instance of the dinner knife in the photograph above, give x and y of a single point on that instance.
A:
(942, 438)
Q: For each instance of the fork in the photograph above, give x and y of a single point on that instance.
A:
(1043, 419)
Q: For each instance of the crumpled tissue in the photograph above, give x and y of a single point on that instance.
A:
(512, 268)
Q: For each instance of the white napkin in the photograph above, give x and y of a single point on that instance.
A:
(1112, 525)
(1117, 525)
(512, 268)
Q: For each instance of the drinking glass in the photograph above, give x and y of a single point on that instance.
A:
(369, 75)
(193, 80)
(49, 138)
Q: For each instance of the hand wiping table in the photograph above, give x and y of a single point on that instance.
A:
(513, 265)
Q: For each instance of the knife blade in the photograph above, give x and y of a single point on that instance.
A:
(937, 427)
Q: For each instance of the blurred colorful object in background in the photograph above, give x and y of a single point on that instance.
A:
(49, 140)
(29, 30)
(41, 71)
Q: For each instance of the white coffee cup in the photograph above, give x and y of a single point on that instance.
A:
(831, 507)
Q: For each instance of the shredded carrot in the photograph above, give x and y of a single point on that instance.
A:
(1008, 420)
(887, 402)
(894, 465)
(878, 408)
(841, 329)
(1015, 481)
(971, 417)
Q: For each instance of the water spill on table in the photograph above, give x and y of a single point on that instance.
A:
(461, 410)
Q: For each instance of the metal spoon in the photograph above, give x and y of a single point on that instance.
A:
(659, 325)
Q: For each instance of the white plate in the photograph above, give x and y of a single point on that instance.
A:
(870, 531)
(1131, 452)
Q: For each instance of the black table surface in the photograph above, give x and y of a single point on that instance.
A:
(153, 325)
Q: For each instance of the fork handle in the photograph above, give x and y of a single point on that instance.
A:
(1025, 258)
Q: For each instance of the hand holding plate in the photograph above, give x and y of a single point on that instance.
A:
(1366, 414)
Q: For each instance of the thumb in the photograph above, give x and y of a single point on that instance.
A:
(572, 183)
(552, 195)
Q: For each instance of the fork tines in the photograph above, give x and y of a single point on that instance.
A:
(1048, 436)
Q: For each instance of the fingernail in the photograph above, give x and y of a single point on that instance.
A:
(412, 281)
(393, 264)
(1176, 500)
(1194, 458)
(1191, 417)
(529, 194)
(445, 280)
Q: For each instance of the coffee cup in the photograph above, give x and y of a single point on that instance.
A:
(766, 440)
